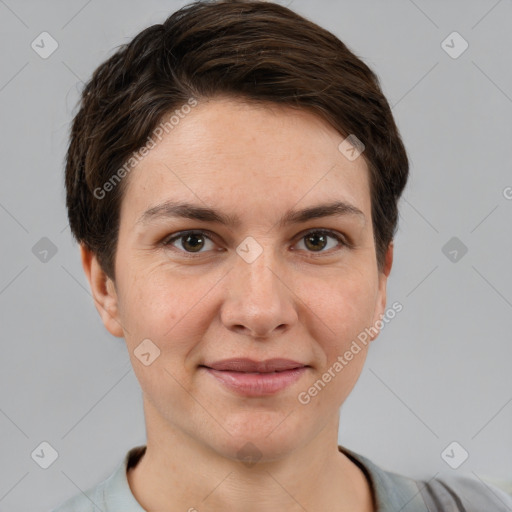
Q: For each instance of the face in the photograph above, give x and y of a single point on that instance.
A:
(267, 284)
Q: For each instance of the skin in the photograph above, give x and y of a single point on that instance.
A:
(293, 301)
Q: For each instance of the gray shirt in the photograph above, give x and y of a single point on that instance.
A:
(392, 492)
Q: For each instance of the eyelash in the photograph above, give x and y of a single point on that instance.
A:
(167, 242)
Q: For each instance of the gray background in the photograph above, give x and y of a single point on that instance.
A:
(439, 372)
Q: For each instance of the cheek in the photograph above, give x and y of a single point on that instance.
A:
(339, 309)
(172, 312)
(342, 344)
(155, 303)
(161, 310)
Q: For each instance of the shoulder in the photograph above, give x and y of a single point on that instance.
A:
(92, 499)
(466, 493)
(111, 494)
(393, 491)
(83, 502)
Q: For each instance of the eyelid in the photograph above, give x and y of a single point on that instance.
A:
(168, 240)
(340, 237)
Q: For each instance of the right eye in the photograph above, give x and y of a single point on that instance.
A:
(191, 242)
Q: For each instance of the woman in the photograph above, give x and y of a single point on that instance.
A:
(233, 178)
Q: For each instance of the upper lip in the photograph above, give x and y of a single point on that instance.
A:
(250, 365)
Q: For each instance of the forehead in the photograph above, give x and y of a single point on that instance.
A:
(250, 158)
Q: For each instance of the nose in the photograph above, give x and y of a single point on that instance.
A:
(259, 299)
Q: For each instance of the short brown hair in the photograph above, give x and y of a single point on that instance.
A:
(255, 50)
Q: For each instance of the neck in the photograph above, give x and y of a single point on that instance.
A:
(178, 470)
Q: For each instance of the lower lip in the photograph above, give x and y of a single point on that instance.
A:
(257, 384)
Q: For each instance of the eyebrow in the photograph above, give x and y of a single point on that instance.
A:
(173, 209)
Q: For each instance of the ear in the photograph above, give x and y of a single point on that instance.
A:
(380, 306)
(103, 292)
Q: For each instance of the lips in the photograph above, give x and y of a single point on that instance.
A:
(245, 365)
(251, 378)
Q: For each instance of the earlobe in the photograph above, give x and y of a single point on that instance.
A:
(103, 292)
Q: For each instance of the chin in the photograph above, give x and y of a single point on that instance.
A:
(257, 439)
(250, 451)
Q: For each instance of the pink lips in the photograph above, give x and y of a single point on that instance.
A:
(256, 378)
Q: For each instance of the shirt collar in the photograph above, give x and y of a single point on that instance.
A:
(391, 492)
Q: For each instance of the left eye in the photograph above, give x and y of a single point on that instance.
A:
(321, 237)
(193, 241)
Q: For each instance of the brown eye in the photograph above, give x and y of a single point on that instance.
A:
(188, 241)
(315, 241)
(194, 242)
(318, 240)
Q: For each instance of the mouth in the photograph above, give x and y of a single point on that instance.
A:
(245, 365)
(252, 378)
